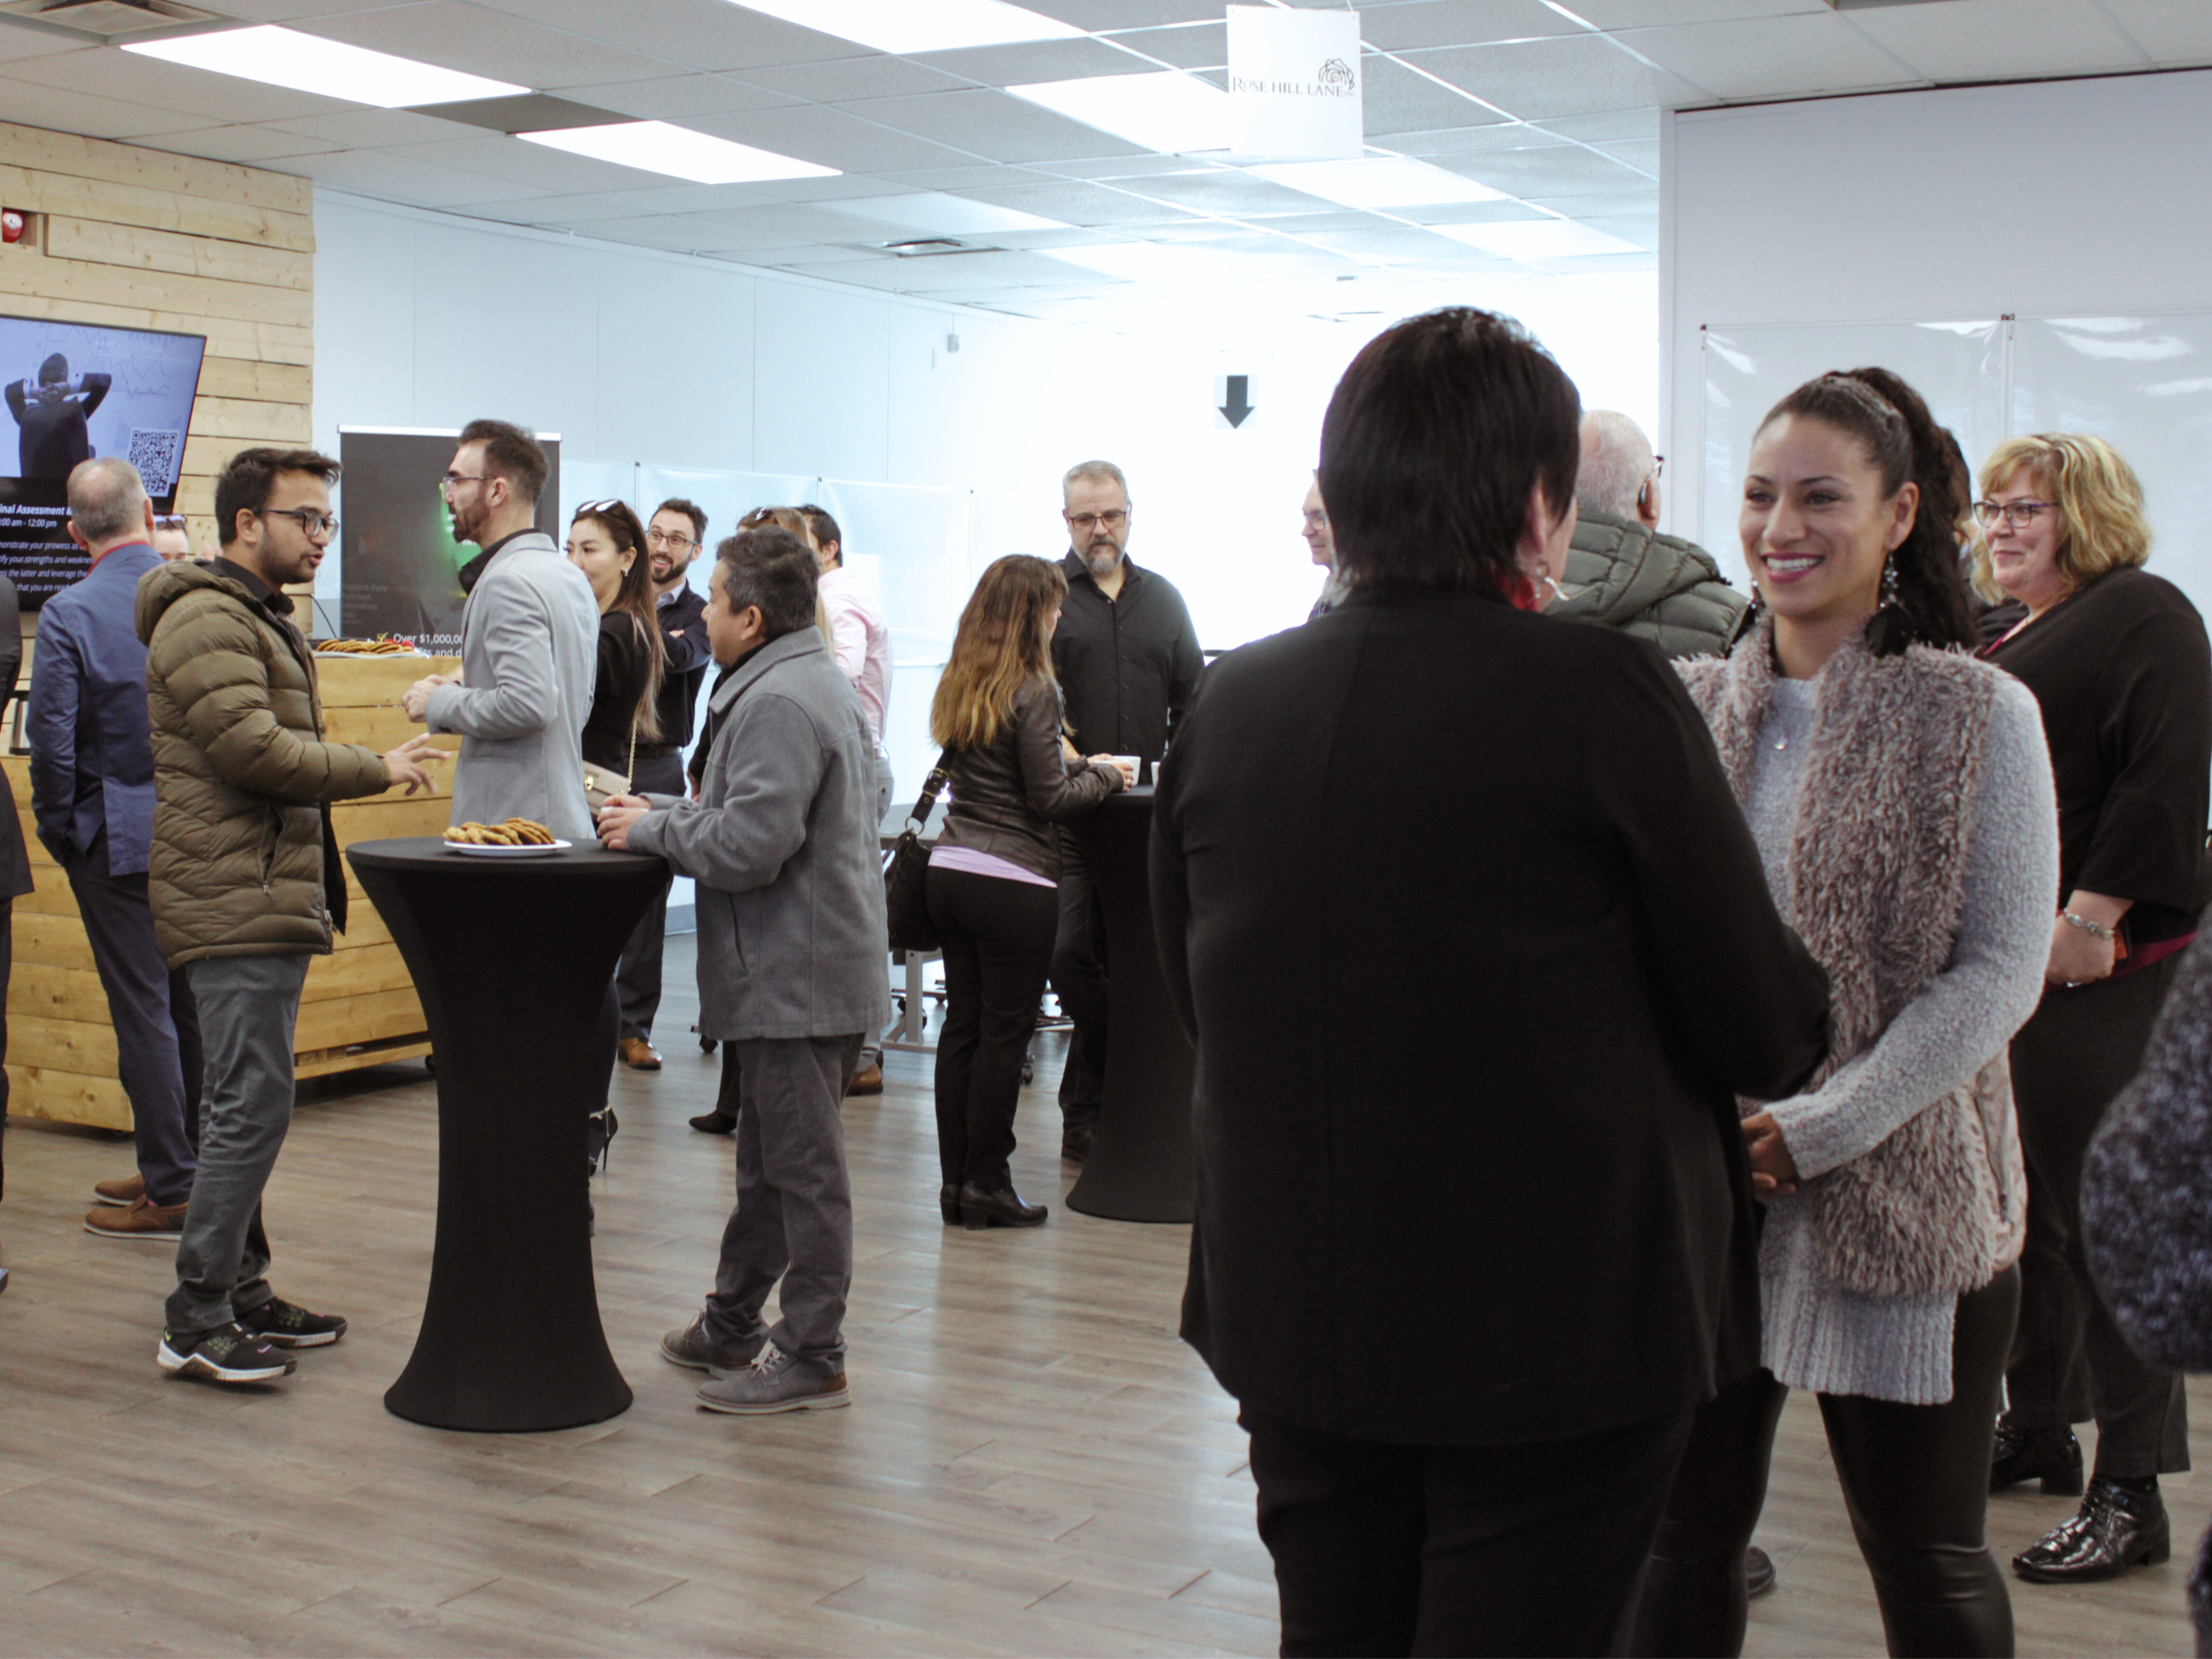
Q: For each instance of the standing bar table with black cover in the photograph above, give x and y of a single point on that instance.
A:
(1141, 1166)
(512, 957)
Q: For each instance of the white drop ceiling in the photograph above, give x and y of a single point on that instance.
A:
(1554, 105)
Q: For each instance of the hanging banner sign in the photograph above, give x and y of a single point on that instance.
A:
(1294, 81)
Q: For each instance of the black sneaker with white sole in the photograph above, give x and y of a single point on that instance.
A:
(282, 1325)
(228, 1353)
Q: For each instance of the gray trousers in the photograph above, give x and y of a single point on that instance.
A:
(637, 982)
(249, 1008)
(793, 1219)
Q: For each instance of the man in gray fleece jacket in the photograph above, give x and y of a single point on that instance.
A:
(792, 946)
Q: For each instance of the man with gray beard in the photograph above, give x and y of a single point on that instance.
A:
(1127, 660)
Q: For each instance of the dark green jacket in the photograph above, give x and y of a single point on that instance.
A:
(1656, 587)
(241, 774)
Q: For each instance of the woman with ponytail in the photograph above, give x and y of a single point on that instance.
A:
(1901, 799)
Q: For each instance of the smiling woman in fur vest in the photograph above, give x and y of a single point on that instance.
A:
(1901, 798)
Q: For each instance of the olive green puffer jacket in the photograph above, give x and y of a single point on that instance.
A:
(240, 772)
(1657, 587)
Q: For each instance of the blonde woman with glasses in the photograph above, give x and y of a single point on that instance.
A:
(2118, 659)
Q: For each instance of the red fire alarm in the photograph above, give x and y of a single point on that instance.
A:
(11, 225)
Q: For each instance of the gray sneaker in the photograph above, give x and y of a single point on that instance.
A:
(692, 1346)
(774, 1381)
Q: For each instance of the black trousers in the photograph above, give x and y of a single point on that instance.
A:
(1916, 1482)
(7, 972)
(1078, 979)
(637, 982)
(1534, 1549)
(2069, 1362)
(997, 935)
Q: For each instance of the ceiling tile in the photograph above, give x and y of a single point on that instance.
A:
(1469, 213)
(377, 129)
(1994, 40)
(248, 146)
(1126, 14)
(787, 224)
(980, 176)
(848, 80)
(1539, 80)
(19, 40)
(1412, 24)
(481, 41)
(1225, 190)
(1473, 141)
(1074, 203)
(1386, 244)
(992, 124)
(1567, 170)
(400, 178)
(833, 138)
(292, 12)
(1396, 100)
(678, 97)
(698, 34)
(1771, 56)
(1650, 14)
(497, 156)
(1612, 127)
(126, 78)
(1199, 46)
(1027, 62)
(31, 103)
(1642, 156)
(1599, 206)
(1113, 166)
(890, 276)
(1641, 228)
(2171, 31)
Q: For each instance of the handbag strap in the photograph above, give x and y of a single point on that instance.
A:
(926, 802)
(629, 772)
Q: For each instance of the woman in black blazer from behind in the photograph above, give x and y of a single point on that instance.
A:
(1467, 1322)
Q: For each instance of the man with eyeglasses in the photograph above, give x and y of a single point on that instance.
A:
(530, 636)
(672, 541)
(245, 879)
(1128, 661)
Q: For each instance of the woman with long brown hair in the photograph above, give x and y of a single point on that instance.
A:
(994, 877)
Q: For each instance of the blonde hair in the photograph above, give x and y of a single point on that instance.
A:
(2101, 525)
(1000, 648)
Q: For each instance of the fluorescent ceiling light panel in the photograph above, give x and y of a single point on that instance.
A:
(941, 214)
(1537, 239)
(307, 63)
(1380, 181)
(679, 152)
(1170, 112)
(911, 26)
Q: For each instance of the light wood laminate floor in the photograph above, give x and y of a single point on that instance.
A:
(1033, 1463)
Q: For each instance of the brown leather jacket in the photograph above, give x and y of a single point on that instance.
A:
(1006, 797)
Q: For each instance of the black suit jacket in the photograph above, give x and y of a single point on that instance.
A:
(1477, 953)
(14, 862)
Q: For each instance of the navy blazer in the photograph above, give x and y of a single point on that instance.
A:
(92, 746)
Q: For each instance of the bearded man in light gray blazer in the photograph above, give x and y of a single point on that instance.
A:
(529, 645)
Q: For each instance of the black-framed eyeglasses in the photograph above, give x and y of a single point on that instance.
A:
(1087, 522)
(669, 539)
(2017, 515)
(312, 523)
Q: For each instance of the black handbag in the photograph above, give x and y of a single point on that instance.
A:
(906, 873)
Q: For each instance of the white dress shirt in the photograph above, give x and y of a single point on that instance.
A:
(861, 641)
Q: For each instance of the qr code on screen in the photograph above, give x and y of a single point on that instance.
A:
(157, 455)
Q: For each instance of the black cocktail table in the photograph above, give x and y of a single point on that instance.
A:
(1141, 1164)
(512, 958)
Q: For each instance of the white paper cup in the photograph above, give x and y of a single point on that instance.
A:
(1130, 765)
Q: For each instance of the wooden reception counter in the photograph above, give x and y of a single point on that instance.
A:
(359, 1008)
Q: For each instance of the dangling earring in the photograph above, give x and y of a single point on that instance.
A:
(1891, 630)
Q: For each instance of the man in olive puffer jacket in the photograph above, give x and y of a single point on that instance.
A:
(244, 881)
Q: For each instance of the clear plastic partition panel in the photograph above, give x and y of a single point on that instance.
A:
(1958, 368)
(907, 545)
(2143, 385)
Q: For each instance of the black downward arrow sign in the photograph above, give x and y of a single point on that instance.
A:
(1236, 410)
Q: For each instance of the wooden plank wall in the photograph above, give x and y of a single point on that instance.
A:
(143, 238)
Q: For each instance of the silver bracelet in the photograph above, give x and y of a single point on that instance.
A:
(2094, 929)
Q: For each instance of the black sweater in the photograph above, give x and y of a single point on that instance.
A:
(2123, 675)
(1429, 812)
(623, 665)
(1128, 666)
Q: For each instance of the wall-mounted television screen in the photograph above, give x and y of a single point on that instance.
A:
(74, 391)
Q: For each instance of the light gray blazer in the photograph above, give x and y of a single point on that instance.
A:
(792, 942)
(530, 641)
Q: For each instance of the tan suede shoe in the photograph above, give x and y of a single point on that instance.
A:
(123, 1193)
(163, 1223)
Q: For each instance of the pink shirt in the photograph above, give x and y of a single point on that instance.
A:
(861, 641)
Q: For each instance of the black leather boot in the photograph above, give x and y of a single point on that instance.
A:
(2051, 1456)
(716, 1122)
(948, 1201)
(1000, 1207)
(2116, 1528)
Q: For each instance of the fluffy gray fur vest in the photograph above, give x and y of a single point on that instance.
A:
(1876, 872)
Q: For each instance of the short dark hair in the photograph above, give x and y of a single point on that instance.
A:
(510, 453)
(691, 510)
(825, 528)
(54, 370)
(252, 474)
(1435, 436)
(773, 569)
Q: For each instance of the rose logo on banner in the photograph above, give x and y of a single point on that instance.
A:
(1294, 92)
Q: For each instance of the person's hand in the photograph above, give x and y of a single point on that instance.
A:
(2078, 956)
(406, 762)
(418, 694)
(1127, 774)
(616, 818)
(1773, 1171)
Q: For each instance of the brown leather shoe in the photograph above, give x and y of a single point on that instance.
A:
(868, 1080)
(163, 1223)
(123, 1193)
(640, 1056)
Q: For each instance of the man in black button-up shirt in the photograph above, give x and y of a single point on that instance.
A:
(1128, 661)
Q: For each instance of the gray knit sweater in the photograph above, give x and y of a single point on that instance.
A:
(1816, 1335)
(2147, 1205)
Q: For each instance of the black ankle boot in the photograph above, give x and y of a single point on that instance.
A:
(2052, 1456)
(716, 1122)
(1001, 1207)
(2117, 1527)
(948, 1201)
